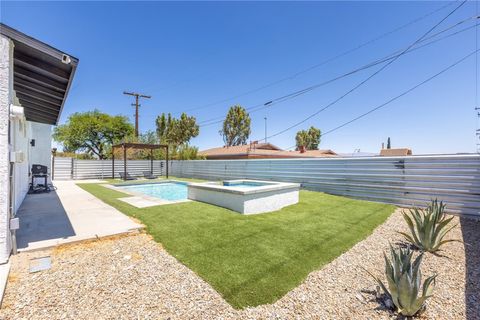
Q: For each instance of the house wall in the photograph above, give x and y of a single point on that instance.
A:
(15, 136)
(19, 132)
(6, 90)
(41, 153)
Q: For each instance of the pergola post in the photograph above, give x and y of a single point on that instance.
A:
(113, 162)
(124, 162)
(126, 145)
(151, 161)
(166, 160)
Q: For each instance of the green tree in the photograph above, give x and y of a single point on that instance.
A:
(236, 127)
(310, 139)
(93, 132)
(174, 131)
(187, 152)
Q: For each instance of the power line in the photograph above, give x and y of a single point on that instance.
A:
(402, 94)
(324, 62)
(391, 56)
(369, 77)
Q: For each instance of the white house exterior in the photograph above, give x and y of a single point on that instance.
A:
(34, 83)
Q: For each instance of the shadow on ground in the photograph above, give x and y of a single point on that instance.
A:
(42, 217)
(471, 238)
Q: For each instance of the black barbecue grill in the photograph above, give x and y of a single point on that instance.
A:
(39, 172)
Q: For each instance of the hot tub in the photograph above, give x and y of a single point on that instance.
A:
(246, 196)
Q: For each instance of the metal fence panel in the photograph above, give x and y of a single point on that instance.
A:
(68, 168)
(102, 169)
(405, 181)
(62, 168)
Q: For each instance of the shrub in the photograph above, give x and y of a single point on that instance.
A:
(403, 281)
(428, 227)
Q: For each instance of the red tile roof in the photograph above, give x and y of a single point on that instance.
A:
(261, 150)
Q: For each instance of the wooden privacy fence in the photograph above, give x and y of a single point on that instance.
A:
(405, 181)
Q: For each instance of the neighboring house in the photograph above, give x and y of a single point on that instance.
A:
(396, 152)
(34, 83)
(261, 151)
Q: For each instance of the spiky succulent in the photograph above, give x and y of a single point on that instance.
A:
(428, 227)
(404, 281)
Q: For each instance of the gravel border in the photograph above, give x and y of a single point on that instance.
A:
(132, 277)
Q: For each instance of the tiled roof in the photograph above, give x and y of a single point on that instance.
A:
(263, 150)
(238, 149)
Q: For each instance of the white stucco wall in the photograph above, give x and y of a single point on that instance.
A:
(6, 89)
(19, 130)
(21, 134)
(41, 152)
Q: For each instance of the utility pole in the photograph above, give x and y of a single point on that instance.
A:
(477, 132)
(265, 118)
(137, 105)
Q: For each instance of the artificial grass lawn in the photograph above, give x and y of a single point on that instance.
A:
(256, 259)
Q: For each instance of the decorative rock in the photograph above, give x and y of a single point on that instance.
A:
(154, 285)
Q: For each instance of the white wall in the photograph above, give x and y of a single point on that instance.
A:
(19, 130)
(41, 152)
(6, 89)
(21, 133)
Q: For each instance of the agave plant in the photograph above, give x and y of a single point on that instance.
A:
(428, 227)
(404, 280)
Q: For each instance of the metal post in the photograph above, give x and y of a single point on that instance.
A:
(54, 151)
(136, 116)
(124, 162)
(151, 161)
(167, 161)
(72, 164)
(113, 163)
(265, 129)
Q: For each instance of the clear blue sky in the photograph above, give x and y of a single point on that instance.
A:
(188, 55)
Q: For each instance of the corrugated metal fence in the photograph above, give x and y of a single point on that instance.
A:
(68, 168)
(404, 181)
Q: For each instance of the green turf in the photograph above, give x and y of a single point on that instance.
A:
(253, 260)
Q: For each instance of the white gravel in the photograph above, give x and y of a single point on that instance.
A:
(135, 278)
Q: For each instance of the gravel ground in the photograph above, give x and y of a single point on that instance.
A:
(134, 278)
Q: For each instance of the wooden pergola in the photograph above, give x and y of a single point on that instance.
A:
(126, 145)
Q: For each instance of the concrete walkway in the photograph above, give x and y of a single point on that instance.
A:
(66, 215)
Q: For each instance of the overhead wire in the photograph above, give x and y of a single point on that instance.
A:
(402, 94)
(368, 78)
(324, 62)
(451, 66)
(393, 55)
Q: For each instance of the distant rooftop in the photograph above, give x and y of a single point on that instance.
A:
(262, 151)
(396, 152)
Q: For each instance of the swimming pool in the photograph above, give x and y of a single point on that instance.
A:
(171, 191)
(246, 196)
(244, 184)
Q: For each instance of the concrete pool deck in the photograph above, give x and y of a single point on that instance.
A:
(67, 215)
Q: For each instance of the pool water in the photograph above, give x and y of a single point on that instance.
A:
(171, 191)
(244, 184)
